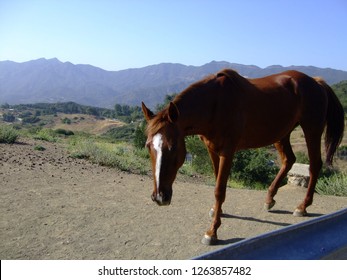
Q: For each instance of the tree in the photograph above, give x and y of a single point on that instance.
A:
(140, 136)
(118, 110)
(126, 110)
(168, 98)
(92, 111)
(5, 106)
(8, 117)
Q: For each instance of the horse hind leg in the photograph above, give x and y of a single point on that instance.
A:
(288, 159)
(313, 142)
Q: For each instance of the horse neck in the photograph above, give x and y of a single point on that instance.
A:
(194, 116)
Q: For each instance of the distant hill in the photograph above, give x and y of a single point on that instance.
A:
(50, 80)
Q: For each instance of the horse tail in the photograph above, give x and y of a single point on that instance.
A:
(335, 122)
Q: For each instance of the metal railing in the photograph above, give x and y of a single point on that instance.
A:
(324, 237)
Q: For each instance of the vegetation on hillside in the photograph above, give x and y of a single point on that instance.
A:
(341, 91)
(123, 147)
(31, 113)
(8, 134)
(123, 156)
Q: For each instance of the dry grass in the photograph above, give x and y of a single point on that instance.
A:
(84, 123)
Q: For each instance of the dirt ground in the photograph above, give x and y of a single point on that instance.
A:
(56, 207)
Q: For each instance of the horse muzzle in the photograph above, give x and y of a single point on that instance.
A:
(161, 199)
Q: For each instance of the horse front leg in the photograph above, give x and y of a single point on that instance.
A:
(215, 161)
(210, 236)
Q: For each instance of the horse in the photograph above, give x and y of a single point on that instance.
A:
(232, 113)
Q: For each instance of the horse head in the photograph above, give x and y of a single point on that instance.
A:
(166, 146)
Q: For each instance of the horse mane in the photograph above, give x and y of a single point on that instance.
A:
(238, 81)
(160, 120)
(233, 76)
(235, 79)
(319, 79)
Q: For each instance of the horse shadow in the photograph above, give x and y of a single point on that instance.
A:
(282, 212)
(228, 241)
(252, 219)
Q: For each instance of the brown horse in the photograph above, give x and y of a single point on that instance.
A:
(232, 113)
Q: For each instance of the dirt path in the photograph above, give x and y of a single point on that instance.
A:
(56, 207)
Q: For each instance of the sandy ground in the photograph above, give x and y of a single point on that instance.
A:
(56, 207)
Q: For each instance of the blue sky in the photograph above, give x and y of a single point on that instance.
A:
(122, 34)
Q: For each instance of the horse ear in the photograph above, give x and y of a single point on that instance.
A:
(146, 112)
(173, 112)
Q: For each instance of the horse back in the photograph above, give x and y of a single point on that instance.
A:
(276, 104)
(291, 89)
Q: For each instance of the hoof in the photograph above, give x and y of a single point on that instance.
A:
(268, 206)
(299, 213)
(209, 240)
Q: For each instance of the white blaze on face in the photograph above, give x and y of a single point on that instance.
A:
(157, 145)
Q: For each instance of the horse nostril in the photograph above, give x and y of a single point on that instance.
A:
(157, 197)
(161, 199)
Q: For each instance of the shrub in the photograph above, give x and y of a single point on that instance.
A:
(46, 135)
(64, 132)
(201, 160)
(66, 121)
(140, 136)
(31, 119)
(8, 118)
(121, 133)
(302, 157)
(8, 134)
(255, 168)
(342, 152)
(39, 148)
(334, 184)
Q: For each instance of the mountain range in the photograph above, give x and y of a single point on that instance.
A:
(50, 81)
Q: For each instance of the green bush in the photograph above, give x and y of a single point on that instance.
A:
(31, 119)
(8, 118)
(335, 184)
(302, 157)
(201, 160)
(39, 148)
(65, 132)
(66, 121)
(140, 136)
(46, 135)
(255, 168)
(8, 134)
(121, 133)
